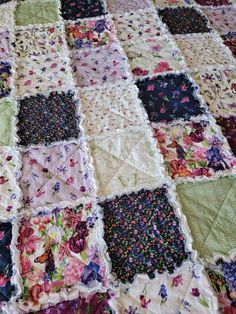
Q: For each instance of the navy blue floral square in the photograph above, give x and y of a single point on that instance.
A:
(77, 9)
(6, 289)
(47, 119)
(5, 74)
(169, 97)
(142, 234)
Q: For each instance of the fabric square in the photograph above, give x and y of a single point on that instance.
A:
(135, 26)
(210, 211)
(61, 253)
(218, 88)
(110, 108)
(154, 56)
(42, 75)
(122, 6)
(193, 149)
(9, 176)
(55, 174)
(230, 41)
(229, 130)
(7, 113)
(103, 65)
(7, 15)
(184, 20)
(173, 3)
(204, 50)
(90, 33)
(169, 97)
(5, 78)
(5, 50)
(213, 2)
(126, 160)
(4, 1)
(142, 234)
(39, 41)
(47, 119)
(6, 272)
(36, 12)
(76, 9)
(223, 20)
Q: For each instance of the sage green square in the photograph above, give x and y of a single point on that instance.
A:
(36, 12)
(7, 111)
(210, 209)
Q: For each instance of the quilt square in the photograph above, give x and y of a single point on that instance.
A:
(169, 97)
(47, 119)
(110, 108)
(193, 149)
(218, 88)
(223, 20)
(5, 50)
(230, 41)
(210, 211)
(126, 160)
(204, 50)
(5, 78)
(4, 1)
(7, 290)
(39, 41)
(173, 3)
(36, 12)
(90, 33)
(184, 20)
(213, 3)
(103, 65)
(7, 113)
(55, 174)
(229, 130)
(142, 234)
(122, 6)
(7, 16)
(157, 55)
(78, 9)
(135, 26)
(9, 176)
(61, 253)
(42, 75)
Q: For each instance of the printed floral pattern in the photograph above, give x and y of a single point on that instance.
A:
(90, 33)
(153, 56)
(213, 2)
(4, 45)
(103, 65)
(142, 234)
(169, 97)
(218, 88)
(184, 20)
(76, 9)
(193, 149)
(173, 3)
(41, 75)
(47, 119)
(122, 6)
(7, 111)
(230, 41)
(229, 131)
(5, 75)
(58, 251)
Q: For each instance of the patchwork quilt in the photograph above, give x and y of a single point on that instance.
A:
(117, 156)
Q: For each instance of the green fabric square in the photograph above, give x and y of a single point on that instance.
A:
(210, 208)
(36, 12)
(6, 112)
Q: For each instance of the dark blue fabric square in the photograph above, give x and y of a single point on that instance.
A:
(77, 9)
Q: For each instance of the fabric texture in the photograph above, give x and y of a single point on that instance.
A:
(77, 9)
(210, 211)
(228, 128)
(173, 3)
(5, 75)
(6, 15)
(5, 50)
(122, 6)
(7, 111)
(213, 2)
(230, 41)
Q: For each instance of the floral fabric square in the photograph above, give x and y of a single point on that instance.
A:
(230, 41)
(184, 20)
(213, 2)
(142, 234)
(90, 33)
(42, 75)
(122, 6)
(39, 41)
(78, 9)
(193, 149)
(169, 97)
(210, 211)
(103, 65)
(229, 130)
(5, 51)
(7, 15)
(173, 3)
(154, 56)
(5, 77)
(9, 176)
(111, 108)
(55, 174)
(218, 88)
(36, 12)
(60, 254)
(7, 113)
(135, 26)
(223, 20)
(126, 161)
(204, 50)
(47, 119)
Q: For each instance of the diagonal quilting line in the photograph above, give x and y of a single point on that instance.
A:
(122, 115)
(184, 295)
